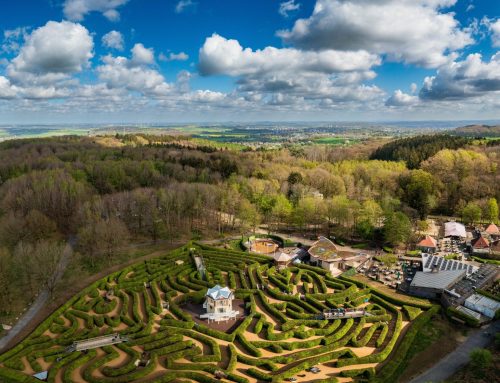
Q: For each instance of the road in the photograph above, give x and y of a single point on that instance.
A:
(39, 302)
(455, 360)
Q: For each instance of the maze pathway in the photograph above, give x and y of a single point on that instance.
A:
(155, 305)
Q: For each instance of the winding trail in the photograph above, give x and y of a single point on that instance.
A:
(458, 358)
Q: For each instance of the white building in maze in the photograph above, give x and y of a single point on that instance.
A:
(219, 304)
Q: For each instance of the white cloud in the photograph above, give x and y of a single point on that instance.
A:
(142, 55)
(288, 6)
(13, 39)
(495, 33)
(400, 98)
(7, 90)
(222, 56)
(181, 56)
(183, 5)
(411, 31)
(469, 78)
(285, 77)
(134, 74)
(113, 40)
(53, 52)
(76, 10)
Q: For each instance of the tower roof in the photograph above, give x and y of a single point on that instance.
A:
(218, 292)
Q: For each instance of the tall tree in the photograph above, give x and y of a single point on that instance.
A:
(397, 228)
(419, 191)
(471, 213)
(492, 210)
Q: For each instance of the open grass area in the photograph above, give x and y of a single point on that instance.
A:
(280, 331)
(336, 141)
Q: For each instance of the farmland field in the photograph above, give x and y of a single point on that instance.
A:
(278, 335)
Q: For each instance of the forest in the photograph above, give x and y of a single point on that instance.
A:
(101, 194)
(414, 150)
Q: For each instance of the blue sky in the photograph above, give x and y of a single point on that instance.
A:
(239, 60)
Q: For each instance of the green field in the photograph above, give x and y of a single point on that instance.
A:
(335, 141)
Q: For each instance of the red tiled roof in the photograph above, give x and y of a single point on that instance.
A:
(428, 241)
(480, 243)
(492, 229)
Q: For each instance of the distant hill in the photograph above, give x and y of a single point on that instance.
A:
(478, 131)
(414, 150)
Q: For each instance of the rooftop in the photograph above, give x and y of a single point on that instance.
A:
(440, 280)
(218, 292)
(282, 257)
(428, 241)
(477, 280)
(481, 300)
(454, 229)
(480, 243)
(323, 249)
(466, 311)
(492, 229)
(429, 262)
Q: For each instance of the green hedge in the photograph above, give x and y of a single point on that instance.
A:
(453, 312)
(392, 369)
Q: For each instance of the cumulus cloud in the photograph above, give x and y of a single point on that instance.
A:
(219, 55)
(7, 90)
(288, 6)
(412, 31)
(53, 52)
(142, 55)
(471, 77)
(181, 56)
(183, 5)
(289, 76)
(76, 10)
(134, 74)
(113, 40)
(495, 33)
(399, 98)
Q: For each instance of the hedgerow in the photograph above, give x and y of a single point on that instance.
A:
(152, 305)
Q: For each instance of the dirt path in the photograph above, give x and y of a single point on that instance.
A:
(455, 360)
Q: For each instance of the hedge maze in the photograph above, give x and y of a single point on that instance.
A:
(280, 334)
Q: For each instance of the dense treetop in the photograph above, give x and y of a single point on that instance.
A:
(414, 150)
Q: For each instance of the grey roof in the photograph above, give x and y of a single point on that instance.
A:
(440, 280)
(481, 300)
(218, 292)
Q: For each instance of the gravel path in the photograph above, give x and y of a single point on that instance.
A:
(455, 360)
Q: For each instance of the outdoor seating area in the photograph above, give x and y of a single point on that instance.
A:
(389, 275)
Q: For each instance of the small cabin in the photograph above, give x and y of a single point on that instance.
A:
(427, 245)
(282, 260)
